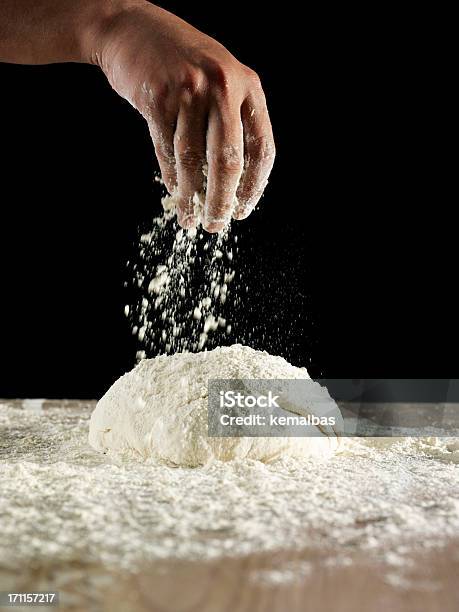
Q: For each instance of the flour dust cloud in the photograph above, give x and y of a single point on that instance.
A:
(190, 291)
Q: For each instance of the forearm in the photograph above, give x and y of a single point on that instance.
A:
(50, 31)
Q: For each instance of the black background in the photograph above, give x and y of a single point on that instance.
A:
(355, 227)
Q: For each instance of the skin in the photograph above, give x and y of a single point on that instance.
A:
(202, 106)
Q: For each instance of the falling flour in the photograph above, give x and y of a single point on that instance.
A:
(182, 281)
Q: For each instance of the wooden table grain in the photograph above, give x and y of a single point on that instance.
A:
(430, 583)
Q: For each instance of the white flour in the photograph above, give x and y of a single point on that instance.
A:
(183, 280)
(62, 503)
(160, 409)
(188, 290)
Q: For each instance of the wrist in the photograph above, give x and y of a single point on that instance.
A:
(99, 22)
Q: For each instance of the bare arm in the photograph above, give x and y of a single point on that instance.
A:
(51, 31)
(202, 106)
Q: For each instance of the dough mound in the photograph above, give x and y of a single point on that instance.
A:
(159, 410)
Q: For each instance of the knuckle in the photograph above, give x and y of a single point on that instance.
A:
(190, 158)
(252, 77)
(262, 150)
(191, 83)
(220, 76)
(152, 100)
(161, 92)
(229, 159)
(165, 153)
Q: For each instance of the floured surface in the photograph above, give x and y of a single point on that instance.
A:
(62, 503)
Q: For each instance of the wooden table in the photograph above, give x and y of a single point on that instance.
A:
(430, 584)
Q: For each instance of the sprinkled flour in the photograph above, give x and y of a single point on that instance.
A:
(61, 502)
(183, 280)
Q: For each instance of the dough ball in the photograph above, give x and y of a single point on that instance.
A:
(159, 410)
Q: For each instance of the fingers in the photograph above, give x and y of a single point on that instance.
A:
(259, 154)
(190, 156)
(213, 120)
(161, 124)
(225, 161)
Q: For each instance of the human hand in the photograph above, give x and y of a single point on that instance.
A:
(202, 106)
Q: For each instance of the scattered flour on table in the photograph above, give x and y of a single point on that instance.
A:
(159, 409)
(62, 503)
